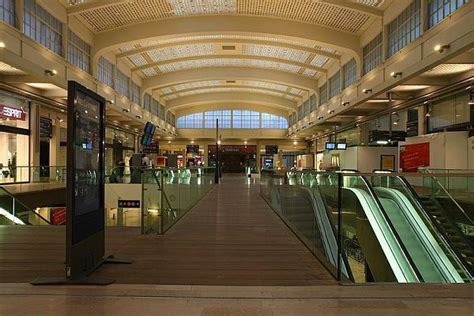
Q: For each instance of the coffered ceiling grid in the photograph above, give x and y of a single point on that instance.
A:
(108, 17)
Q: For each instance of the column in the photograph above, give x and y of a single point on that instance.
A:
(20, 13)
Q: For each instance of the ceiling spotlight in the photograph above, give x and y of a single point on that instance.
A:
(51, 72)
(320, 118)
(345, 103)
(192, 142)
(395, 75)
(245, 142)
(441, 48)
(2, 45)
(330, 111)
(367, 91)
(125, 110)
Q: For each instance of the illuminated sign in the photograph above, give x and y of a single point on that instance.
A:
(7, 112)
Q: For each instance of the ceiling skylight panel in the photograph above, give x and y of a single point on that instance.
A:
(319, 60)
(276, 52)
(138, 60)
(309, 72)
(149, 72)
(181, 52)
(187, 7)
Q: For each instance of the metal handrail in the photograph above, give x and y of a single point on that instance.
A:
(26, 207)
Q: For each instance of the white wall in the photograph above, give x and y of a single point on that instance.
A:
(470, 152)
(368, 158)
(448, 150)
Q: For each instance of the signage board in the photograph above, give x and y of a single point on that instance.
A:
(341, 146)
(330, 146)
(129, 203)
(414, 156)
(11, 113)
(85, 180)
(46, 127)
(271, 149)
(192, 149)
(57, 216)
(153, 148)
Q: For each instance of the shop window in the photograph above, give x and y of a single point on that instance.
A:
(334, 85)
(43, 27)
(405, 28)
(349, 71)
(7, 11)
(373, 54)
(78, 52)
(105, 72)
(438, 10)
(14, 139)
(323, 94)
(123, 82)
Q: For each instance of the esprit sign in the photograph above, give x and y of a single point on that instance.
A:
(7, 112)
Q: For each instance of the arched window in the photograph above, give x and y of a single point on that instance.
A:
(232, 119)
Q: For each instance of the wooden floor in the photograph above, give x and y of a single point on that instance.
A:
(231, 237)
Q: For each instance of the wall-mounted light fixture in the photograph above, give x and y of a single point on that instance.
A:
(138, 117)
(51, 72)
(2, 45)
(441, 48)
(367, 91)
(345, 103)
(320, 117)
(395, 75)
(295, 143)
(331, 111)
(110, 102)
(125, 110)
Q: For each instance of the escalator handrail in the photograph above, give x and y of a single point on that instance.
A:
(392, 228)
(26, 207)
(334, 231)
(435, 223)
(450, 196)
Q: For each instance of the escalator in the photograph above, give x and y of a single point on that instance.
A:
(14, 212)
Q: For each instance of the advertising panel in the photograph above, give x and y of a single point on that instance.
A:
(414, 156)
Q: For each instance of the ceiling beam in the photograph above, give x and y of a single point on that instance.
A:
(242, 57)
(227, 41)
(226, 24)
(259, 98)
(354, 6)
(232, 86)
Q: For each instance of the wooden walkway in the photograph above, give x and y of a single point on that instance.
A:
(231, 237)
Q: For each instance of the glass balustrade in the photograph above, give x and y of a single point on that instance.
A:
(403, 228)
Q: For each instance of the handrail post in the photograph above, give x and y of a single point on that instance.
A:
(143, 206)
(162, 185)
(339, 223)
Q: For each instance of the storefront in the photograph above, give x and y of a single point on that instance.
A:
(14, 138)
(119, 146)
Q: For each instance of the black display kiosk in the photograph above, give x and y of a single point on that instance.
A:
(85, 229)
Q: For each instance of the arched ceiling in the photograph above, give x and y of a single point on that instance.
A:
(270, 52)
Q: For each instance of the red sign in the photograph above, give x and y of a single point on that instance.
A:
(7, 112)
(58, 216)
(414, 156)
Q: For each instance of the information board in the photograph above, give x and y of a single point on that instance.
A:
(85, 179)
(46, 127)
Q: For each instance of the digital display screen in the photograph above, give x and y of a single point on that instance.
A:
(330, 146)
(149, 129)
(341, 146)
(87, 142)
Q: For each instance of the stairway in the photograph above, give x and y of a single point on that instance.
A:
(439, 211)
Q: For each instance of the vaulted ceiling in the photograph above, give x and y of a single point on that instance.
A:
(269, 51)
